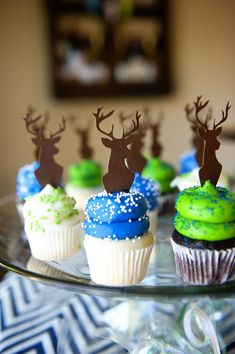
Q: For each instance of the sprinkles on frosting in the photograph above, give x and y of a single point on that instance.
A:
(52, 206)
(116, 216)
(148, 188)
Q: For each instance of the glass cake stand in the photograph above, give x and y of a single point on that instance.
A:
(73, 273)
(193, 306)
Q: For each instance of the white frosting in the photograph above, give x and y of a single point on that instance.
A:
(191, 179)
(51, 208)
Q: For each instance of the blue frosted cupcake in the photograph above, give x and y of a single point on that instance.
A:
(117, 242)
(26, 185)
(150, 190)
(187, 162)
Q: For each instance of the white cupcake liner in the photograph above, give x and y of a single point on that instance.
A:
(202, 267)
(118, 263)
(55, 244)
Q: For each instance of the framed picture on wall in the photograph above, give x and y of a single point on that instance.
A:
(109, 47)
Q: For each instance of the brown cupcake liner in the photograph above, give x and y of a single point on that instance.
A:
(203, 267)
(166, 203)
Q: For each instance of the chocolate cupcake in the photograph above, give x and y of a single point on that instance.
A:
(204, 237)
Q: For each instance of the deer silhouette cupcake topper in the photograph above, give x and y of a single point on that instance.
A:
(119, 177)
(49, 172)
(38, 126)
(85, 151)
(197, 141)
(156, 147)
(211, 168)
(135, 160)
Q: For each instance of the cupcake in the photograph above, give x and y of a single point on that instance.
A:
(52, 224)
(150, 190)
(204, 237)
(191, 179)
(187, 162)
(136, 162)
(26, 182)
(163, 173)
(26, 185)
(117, 242)
(159, 170)
(84, 179)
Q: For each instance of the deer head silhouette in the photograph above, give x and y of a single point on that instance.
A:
(197, 141)
(49, 172)
(85, 151)
(119, 176)
(135, 160)
(156, 147)
(211, 168)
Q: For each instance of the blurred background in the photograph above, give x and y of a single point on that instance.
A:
(201, 59)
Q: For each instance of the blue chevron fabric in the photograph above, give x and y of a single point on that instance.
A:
(38, 319)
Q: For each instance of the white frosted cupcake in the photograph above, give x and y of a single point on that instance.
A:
(191, 179)
(117, 242)
(52, 224)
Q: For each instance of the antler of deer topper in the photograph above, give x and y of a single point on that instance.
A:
(197, 141)
(156, 147)
(49, 172)
(85, 151)
(211, 168)
(136, 161)
(39, 126)
(119, 177)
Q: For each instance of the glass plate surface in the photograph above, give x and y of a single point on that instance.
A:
(73, 274)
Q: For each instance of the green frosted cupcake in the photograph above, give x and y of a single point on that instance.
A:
(163, 173)
(160, 171)
(204, 237)
(84, 179)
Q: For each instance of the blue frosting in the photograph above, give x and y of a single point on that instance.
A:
(26, 182)
(117, 230)
(116, 216)
(148, 188)
(188, 162)
(107, 207)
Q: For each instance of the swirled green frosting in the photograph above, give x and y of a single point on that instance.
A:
(206, 213)
(160, 171)
(86, 173)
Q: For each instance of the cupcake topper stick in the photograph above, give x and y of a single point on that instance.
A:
(119, 177)
(156, 147)
(135, 160)
(85, 151)
(49, 172)
(211, 167)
